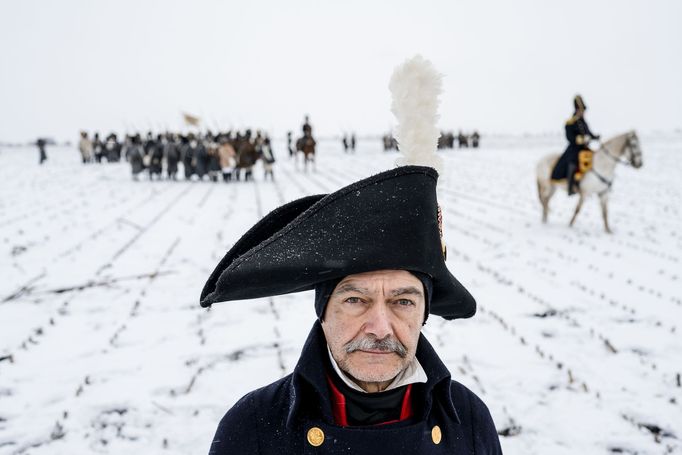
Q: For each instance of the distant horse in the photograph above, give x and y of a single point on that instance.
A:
(621, 149)
(306, 145)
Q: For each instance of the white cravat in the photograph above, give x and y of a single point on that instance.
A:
(412, 374)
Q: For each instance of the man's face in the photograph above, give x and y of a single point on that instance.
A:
(372, 324)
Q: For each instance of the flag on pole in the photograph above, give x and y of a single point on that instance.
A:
(191, 119)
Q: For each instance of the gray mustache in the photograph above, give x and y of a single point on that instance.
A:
(388, 344)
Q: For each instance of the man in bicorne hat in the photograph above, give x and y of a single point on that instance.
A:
(579, 137)
(367, 381)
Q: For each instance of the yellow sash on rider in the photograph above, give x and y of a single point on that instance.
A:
(584, 163)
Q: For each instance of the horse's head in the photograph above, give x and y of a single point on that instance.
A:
(632, 151)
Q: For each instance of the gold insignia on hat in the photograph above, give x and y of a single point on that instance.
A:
(443, 247)
(315, 436)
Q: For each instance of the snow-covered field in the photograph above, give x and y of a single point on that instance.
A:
(576, 348)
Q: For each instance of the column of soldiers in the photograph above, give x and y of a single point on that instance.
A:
(349, 142)
(226, 155)
(390, 142)
(445, 141)
(98, 150)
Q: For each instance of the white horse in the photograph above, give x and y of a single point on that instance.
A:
(621, 149)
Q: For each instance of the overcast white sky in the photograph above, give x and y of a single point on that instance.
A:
(509, 66)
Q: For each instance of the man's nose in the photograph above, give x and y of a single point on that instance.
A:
(378, 321)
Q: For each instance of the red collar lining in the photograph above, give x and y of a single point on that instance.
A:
(338, 401)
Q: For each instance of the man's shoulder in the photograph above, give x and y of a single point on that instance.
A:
(274, 389)
(269, 395)
(467, 403)
(258, 411)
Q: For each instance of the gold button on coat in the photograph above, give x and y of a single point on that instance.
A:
(436, 435)
(316, 436)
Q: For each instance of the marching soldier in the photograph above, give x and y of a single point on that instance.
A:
(156, 158)
(135, 155)
(113, 148)
(227, 156)
(268, 159)
(85, 147)
(98, 148)
(41, 143)
(475, 139)
(172, 154)
(290, 145)
(246, 157)
(201, 158)
(187, 147)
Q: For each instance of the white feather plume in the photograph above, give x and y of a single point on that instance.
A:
(415, 86)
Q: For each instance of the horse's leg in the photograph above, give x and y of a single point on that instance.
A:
(545, 192)
(577, 209)
(604, 201)
(543, 201)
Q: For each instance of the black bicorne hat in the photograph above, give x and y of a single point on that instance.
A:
(385, 222)
(578, 103)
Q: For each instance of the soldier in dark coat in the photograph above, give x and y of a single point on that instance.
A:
(135, 156)
(98, 148)
(172, 154)
(296, 415)
(462, 140)
(156, 158)
(246, 156)
(41, 150)
(578, 135)
(113, 148)
(201, 159)
(475, 139)
(214, 168)
(290, 145)
(268, 159)
(307, 127)
(187, 156)
(367, 381)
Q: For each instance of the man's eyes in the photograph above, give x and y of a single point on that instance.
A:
(399, 302)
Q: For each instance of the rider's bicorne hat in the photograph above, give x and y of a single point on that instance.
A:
(578, 103)
(389, 221)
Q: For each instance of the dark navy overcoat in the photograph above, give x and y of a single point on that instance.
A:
(294, 415)
(575, 127)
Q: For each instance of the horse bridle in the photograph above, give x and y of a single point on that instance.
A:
(617, 159)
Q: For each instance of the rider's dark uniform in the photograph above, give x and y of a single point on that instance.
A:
(578, 135)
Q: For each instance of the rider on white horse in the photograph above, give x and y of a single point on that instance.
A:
(579, 136)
